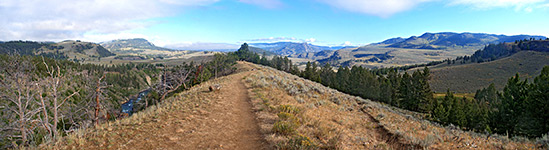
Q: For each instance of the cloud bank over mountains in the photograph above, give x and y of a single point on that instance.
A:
(101, 20)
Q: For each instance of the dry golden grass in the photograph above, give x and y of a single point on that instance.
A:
(466, 95)
(326, 124)
(334, 120)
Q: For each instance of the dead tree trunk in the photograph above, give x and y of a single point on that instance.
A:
(97, 103)
(56, 81)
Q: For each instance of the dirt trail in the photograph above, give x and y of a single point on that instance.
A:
(227, 122)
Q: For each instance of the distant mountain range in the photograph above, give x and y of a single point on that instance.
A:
(446, 40)
(292, 48)
(415, 50)
(131, 44)
(391, 52)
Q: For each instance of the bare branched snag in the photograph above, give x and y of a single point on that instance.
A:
(97, 102)
(55, 85)
(170, 81)
(18, 89)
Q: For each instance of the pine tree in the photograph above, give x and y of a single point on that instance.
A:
(307, 73)
(538, 103)
(405, 92)
(441, 112)
(511, 107)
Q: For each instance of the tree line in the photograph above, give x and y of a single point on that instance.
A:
(521, 109)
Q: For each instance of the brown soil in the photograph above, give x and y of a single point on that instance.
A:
(229, 123)
(221, 119)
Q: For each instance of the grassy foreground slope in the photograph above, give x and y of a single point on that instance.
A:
(292, 113)
(468, 78)
(329, 119)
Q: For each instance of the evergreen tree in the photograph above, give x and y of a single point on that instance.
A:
(538, 104)
(511, 107)
(405, 92)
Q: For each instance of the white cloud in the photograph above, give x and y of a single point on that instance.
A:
(347, 43)
(488, 4)
(310, 40)
(273, 39)
(202, 46)
(381, 8)
(270, 4)
(281, 39)
(69, 19)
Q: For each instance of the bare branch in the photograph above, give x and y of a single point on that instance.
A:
(67, 99)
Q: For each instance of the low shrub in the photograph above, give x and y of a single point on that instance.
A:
(300, 142)
(289, 109)
(284, 128)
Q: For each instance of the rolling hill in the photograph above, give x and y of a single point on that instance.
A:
(261, 51)
(67, 49)
(494, 64)
(131, 44)
(139, 48)
(416, 50)
(77, 49)
(446, 40)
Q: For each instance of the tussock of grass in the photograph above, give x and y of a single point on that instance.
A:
(300, 142)
(284, 128)
(289, 109)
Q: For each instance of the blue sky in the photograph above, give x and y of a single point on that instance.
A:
(176, 23)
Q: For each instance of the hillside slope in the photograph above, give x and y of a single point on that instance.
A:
(446, 40)
(67, 49)
(131, 44)
(141, 49)
(417, 49)
(470, 77)
(290, 112)
(78, 49)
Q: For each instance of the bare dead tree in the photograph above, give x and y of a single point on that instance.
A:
(45, 120)
(172, 80)
(57, 84)
(17, 87)
(98, 93)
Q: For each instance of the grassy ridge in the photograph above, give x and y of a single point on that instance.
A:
(468, 78)
(329, 119)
